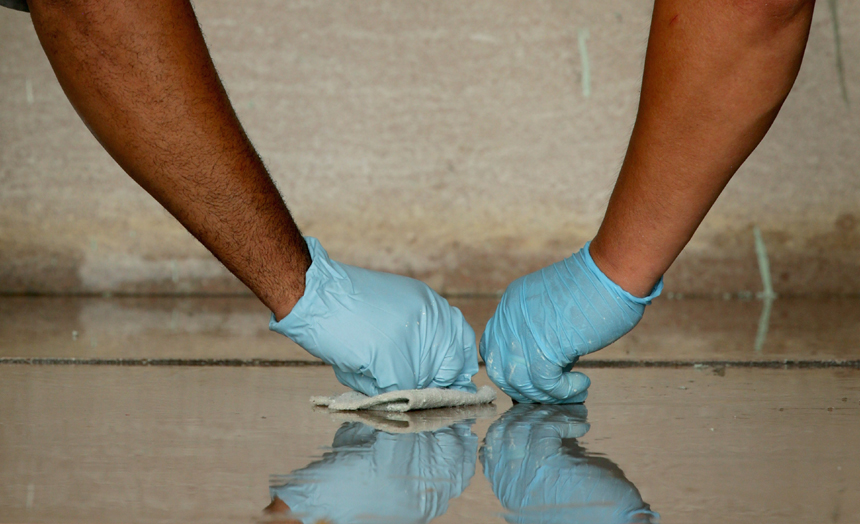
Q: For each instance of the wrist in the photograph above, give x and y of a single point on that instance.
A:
(625, 268)
(285, 305)
(293, 286)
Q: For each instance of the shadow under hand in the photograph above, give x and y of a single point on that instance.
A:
(372, 475)
(541, 474)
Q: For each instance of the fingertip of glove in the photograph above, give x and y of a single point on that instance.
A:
(496, 375)
(566, 388)
(357, 382)
(516, 397)
(464, 383)
(577, 399)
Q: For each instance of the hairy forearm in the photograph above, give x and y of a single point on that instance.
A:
(140, 76)
(716, 75)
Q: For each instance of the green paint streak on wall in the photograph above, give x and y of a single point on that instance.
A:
(582, 37)
(840, 67)
(763, 264)
(763, 324)
(767, 295)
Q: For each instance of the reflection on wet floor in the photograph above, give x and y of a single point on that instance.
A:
(530, 455)
(371, 475)
(707, 443)
(107, 444)
(540, 472)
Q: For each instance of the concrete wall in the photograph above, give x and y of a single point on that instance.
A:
(452, 141)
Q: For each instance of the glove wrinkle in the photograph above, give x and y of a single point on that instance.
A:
(547, 320)
(549, 353)
(575, 297)
(379, 331)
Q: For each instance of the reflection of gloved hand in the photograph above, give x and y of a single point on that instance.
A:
(541, 475)
(547, 320)
(373, 476)
(380, 332)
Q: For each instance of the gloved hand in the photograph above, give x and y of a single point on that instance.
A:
(380, 332)
(547, 320)
(540, 473)
(374, 476)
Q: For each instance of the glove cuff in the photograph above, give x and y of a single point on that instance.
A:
(322, 270)
(645, 301)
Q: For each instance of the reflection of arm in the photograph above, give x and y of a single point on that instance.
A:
(716, 74)
(540, 474)
(372, 476)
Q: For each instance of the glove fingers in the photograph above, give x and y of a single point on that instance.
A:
(452, 368)
(464, 383)
(495, 366)
(494, 361)
(358, 382)
(461, 360)
(495, 370)
(508, 369)
(519, 377)
(565, 387)
(572, 388)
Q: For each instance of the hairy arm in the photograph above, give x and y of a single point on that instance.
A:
(140, 76)
(716, 75)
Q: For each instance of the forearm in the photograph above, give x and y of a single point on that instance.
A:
(140, 76)
(716, 75)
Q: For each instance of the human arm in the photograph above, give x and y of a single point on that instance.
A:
(716, 74)
(140, 76)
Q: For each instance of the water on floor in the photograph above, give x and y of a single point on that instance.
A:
(708, 443)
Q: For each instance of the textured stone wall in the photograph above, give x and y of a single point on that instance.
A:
(464, 143)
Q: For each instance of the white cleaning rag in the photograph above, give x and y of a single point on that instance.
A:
(415, 421)
(408, 400)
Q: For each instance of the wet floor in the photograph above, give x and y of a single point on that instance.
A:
(696, 443)
(234, 328)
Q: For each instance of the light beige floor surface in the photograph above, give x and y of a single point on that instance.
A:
(114, 444)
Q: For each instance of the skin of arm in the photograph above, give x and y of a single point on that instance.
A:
(140, 76)
(716, 74)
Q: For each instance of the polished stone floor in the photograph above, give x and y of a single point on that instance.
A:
(691, 418)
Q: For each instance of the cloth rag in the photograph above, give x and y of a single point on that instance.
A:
(397, 422)
(406, 400)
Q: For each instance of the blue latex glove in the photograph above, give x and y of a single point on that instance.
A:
(547, 320)
(380, 332)
(541, 474)
(371, 476)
